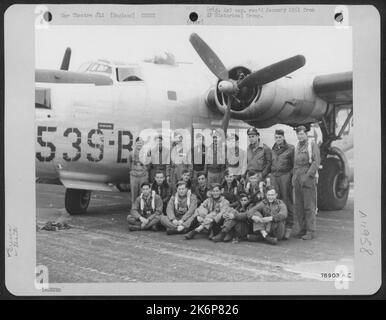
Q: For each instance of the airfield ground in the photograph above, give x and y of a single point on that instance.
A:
(99, 248)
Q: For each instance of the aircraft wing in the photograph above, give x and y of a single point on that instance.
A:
(334, 88)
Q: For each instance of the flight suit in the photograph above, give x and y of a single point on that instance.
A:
(164, 191)
(304, 184)
(239, 225)
(277, 210)
(150, 208)
(281, 176)
(231, 193)
(215, 208)
(180, 208)
(138, 172)
(259, 159)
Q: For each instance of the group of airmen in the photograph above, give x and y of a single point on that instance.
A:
(254, 198)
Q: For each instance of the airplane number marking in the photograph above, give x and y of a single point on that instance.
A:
(45, 144)
(95, 141)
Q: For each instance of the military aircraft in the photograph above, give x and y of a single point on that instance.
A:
(87, 120)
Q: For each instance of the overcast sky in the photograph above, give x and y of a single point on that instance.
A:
(327, 49)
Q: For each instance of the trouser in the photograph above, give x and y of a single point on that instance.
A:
(273, 229)
(168, 224)
(305, 202)
(135, 185)
(283, 186)
(215, 176)
(132, 221)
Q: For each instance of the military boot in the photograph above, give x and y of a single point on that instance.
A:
(190, 235)
(220, 237)
(270, 240)
(308, 236)
(287, 234)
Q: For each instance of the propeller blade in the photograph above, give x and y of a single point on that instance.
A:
(207, 55)
(273, 72)
(66, 60)
(227, 115)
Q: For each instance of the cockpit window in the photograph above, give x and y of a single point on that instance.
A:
(42, 98)
(128, 74)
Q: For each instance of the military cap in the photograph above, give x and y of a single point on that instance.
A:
(279, 132)
(300, 128)
(253, 130)
(243, 195)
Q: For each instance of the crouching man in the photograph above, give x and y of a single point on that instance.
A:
(146, 210)
(180, 210)
(268, 218)
(236, 224)
(213, 209)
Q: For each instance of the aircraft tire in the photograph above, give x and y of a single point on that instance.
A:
(77, 201)
(333, 187)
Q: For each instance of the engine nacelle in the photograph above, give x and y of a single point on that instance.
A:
(289, 100)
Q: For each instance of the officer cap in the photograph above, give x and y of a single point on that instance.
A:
(279, 132)
(253, 131)
(300, 128)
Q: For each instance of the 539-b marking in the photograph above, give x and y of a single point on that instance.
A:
(75, 138)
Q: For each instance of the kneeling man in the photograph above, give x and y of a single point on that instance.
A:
(180, 210)
(268, 218)
(146, 210)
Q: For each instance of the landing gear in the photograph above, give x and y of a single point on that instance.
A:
(333, 186)
(77, 201)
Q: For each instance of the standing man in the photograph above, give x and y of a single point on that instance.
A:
(198, 157)
(180, 161)
(306, 165)
(281, 175)
(259, 156)
(159, 159)
(138, 169)
(146, 210)
(180, 210)
(216, 157)
(236, 159)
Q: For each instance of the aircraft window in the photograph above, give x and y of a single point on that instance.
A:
(93, 67)
(42, 98)
(103, 68)
(84, 67)
(128, 74)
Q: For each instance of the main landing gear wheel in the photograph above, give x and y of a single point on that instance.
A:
(333, 186)
(77, 201)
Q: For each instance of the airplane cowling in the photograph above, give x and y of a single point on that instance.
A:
(289, 100)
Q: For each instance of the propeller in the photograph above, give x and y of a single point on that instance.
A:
(229, 87)
(66, 59)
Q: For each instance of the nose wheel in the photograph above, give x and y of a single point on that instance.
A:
(77, 201)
